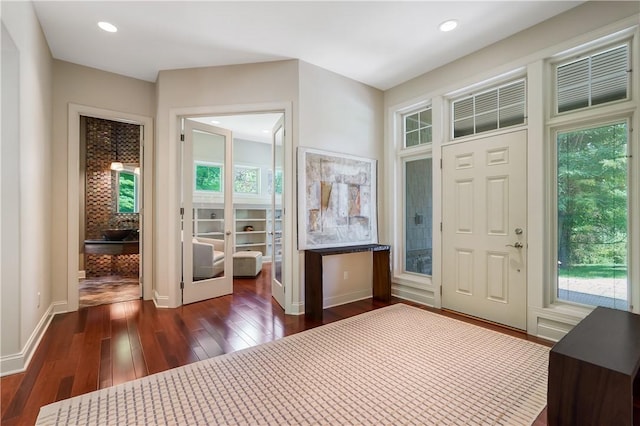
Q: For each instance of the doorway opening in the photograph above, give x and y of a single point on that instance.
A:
(232, 200)
(110, 202)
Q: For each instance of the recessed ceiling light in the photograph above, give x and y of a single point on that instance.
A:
(215, 122)
(107, 26)
(449, 25)
(266, 131)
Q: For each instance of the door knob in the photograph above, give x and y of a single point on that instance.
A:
(228, 233)
(518, 231)
(517, 245)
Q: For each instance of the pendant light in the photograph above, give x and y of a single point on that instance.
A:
(117, 165)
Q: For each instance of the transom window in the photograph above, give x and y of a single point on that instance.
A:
(418, 128)
(493, 109)
(595, 79)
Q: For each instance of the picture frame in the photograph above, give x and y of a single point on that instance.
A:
(337, 199)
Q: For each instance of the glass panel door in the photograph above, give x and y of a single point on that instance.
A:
(592, 215)
(207, 219)
(276, 233)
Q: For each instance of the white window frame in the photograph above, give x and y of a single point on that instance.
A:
(195, 177)
(479, 89)
(421, 287)
(565, 58)
(404, 115)
(258, 171)
(592, 116)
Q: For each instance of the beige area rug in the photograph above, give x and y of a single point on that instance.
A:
(107, 289)
(395, 365)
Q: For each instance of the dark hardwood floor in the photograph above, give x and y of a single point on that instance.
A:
(101, 346)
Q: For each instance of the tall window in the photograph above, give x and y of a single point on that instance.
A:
(418, 216)
(593, 189)
(417, 128)
(592, 220)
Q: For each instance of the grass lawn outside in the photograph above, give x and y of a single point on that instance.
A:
(594, 271)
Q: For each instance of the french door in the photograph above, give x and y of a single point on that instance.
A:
(276, 233)
(207, 218)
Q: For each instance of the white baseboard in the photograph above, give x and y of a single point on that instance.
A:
(160, 301)
(424, 297)
(329, 302)
(296, 309)
(18, 362)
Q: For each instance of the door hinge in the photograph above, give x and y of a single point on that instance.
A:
(181, 211)
(441, 164)
(440, 226)
(182, 137)
(181, 285)
(441, 291)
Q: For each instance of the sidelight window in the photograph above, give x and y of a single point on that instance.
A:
(592, 215)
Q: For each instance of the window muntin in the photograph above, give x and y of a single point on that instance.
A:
(246, 180)
(418, 215)
(493, 109)
(208, 177)
(592, 215)
(596, 79)
(418, 128)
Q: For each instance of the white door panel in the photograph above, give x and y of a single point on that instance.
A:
(484, 202)
(277, 235)
(207, 256)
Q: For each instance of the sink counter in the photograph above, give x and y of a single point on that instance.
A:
(111, 247)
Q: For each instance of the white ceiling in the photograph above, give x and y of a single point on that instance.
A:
(253, 127)
(380, 43)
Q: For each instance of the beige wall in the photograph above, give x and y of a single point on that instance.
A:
(26, 257)
(92, 88)
(213, 90)
(328, 111)
(344, 116)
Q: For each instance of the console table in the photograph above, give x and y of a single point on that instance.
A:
(592, 371)
(313, 274)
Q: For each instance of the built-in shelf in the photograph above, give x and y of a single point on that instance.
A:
(208, 221)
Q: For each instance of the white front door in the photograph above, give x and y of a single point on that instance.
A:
(276, 233)
(208, 212)
(484, 234)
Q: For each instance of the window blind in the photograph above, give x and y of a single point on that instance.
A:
(493, 109)
(596, 79)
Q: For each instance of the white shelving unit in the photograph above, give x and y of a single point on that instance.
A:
(208, 221)
(251, 229)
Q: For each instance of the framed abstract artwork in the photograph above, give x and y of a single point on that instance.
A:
(336, 200)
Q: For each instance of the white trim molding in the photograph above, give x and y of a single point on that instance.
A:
(18, 362)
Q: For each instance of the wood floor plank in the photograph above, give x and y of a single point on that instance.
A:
(99, 346)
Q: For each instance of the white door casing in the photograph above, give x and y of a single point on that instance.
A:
(219, 285)
(484, 239)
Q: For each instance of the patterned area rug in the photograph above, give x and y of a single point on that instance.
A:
(395, 365)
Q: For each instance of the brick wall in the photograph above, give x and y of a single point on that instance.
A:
(102, 136)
